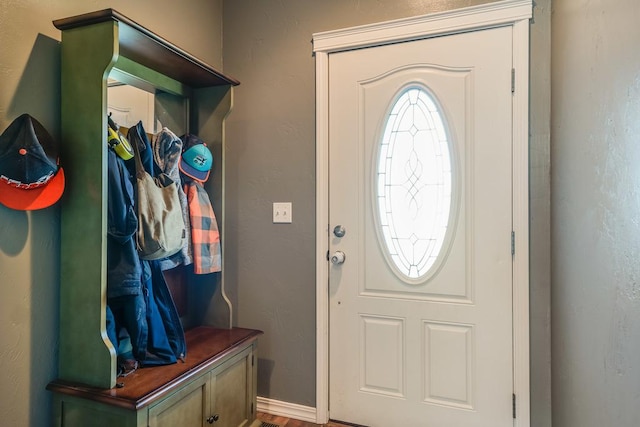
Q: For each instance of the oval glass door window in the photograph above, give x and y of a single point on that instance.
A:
(414, 188)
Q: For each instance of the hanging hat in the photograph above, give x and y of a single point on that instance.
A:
(30, 177)
(196, 159)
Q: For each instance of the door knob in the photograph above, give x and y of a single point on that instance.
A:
(339, 231)
(338, 257)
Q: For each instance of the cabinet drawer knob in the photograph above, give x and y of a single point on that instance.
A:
(212, 419)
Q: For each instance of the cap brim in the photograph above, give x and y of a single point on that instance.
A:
(192, 172)
(33, 199)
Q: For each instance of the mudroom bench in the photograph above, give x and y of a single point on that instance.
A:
(216, 383)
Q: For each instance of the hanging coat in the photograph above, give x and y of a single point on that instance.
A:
(125, 303)
(207, 256)
(167, 148)
(123, 265)
(166, 341)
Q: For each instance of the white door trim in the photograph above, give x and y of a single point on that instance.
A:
(515, 13)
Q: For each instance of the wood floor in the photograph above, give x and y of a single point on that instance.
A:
(288, 422)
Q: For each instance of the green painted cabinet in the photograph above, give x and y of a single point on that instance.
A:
(215, 386)
(220, 398)
(217, 380)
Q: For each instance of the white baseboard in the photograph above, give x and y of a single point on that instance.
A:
(286, 409)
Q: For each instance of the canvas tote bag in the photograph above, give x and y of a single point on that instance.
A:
(161, 230)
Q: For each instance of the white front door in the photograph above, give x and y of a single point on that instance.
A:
(420, 184)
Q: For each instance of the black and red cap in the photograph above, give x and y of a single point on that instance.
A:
(30, 175)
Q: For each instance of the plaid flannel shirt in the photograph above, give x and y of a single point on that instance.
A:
(205, 237)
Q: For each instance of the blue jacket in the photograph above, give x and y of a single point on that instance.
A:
(125, 302)
(165, 339)
(123, 264)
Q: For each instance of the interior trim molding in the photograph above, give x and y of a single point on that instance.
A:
(514, 13)
(487, 15)
(287, 409)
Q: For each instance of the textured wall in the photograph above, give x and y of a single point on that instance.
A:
(271, 158)
(595, 204)
(30, 242)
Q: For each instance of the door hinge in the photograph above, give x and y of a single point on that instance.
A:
(514, 406)
(252, 360)
(513, 243)
(252, 408)
(513, 80)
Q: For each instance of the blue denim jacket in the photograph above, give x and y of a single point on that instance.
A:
(123, 264)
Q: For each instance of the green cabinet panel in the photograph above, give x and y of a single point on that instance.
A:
(189, 406)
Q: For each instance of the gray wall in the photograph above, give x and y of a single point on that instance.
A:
(271, 149)
(30, 241)
(595, 203)
(271, 158)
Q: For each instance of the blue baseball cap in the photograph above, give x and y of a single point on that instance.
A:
(196, 162)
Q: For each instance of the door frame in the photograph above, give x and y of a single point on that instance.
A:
(514, 13)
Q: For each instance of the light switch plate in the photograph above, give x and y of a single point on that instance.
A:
(282, 212)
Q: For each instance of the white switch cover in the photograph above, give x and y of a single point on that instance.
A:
(282, 212)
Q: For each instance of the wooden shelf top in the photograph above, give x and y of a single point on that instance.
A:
(206, 347)
(149, 49)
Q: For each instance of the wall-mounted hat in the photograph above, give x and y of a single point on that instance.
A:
(196, 159)
(30, 176)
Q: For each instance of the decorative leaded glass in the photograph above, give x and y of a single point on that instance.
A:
(414, 184)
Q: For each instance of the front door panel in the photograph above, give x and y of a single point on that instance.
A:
(420, 179)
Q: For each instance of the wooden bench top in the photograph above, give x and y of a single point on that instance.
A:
(206, 347)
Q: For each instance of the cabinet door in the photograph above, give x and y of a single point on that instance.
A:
(186, 408)
(231, 397)
(71, 411)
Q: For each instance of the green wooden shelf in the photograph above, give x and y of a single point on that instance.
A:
(152, 51)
